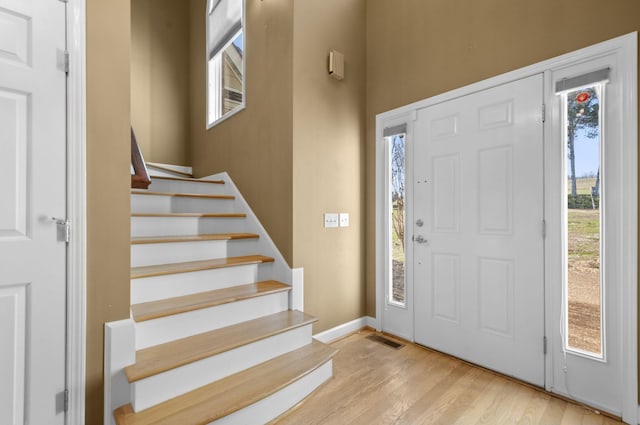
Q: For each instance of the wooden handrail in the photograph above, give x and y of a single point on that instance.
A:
(141, 179)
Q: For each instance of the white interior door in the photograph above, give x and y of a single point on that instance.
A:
(478, 259)
(32, 187)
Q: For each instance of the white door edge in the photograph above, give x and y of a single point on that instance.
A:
(626, 46)
(76, 210)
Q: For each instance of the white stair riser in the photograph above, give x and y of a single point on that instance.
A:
(153, 167)
(181, 226)
(165, 329)
(156, 389)
(154, 172)
(179, 186)
(177, 252)
(175, 285)
(278, 403)
(179, 204)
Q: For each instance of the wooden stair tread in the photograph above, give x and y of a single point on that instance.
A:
(161, 358)
(192, 238)
(193, 266)
(180, 195)
(197, 215)
(228, 395)
(170, 306)
(186, 179)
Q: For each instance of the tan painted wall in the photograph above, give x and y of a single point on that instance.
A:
(108, 200)
(160, 105)
(417, 49)
(328, 154)
(255, 146)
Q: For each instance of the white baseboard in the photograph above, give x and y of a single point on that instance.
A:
(344, 329)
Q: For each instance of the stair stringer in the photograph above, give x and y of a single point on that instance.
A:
(279, 269)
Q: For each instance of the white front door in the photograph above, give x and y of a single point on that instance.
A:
(33, 190)
(478, 258)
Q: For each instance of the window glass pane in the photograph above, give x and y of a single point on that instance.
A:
(232, 75)
(397, 290)
(584, 191)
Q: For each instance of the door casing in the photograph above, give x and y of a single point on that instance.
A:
(625, 49)
(76, 211)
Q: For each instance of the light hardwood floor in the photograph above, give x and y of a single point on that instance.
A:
(375, 384)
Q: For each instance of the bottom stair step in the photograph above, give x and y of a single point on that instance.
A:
(285, 380)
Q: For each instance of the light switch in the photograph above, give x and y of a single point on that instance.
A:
(331, 220)
(343, 219)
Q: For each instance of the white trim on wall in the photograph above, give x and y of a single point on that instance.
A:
(76, 211)
(626, 47)
(344, 329)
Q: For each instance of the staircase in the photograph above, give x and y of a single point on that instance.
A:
(213, 336)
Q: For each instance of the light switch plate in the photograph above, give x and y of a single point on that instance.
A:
(331, 220)
(343, 219)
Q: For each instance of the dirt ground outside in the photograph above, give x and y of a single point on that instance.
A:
(584, 280)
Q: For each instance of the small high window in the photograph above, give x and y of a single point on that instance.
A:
(225, 59)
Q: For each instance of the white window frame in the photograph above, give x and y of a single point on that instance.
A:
(214, 115)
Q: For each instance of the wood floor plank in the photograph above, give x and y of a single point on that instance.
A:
(554, 412)
(535, 409)
(471, 414)
(572, 415)
(419, 411)
(233, 393)
(374, 384)
(170, 306)
(140, 240)
(455, 404)
(161, 358)
(194, 266)
(592, 418)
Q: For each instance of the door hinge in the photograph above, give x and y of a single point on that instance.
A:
(64, 1)
(544, 112)
(544, 345)
(544, 228)
(66, 400)
(66, 61)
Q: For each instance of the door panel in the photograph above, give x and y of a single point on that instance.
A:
(32, 187)
(478, 280)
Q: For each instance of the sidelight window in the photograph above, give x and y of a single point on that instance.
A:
(584, 194)
(396, 184)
